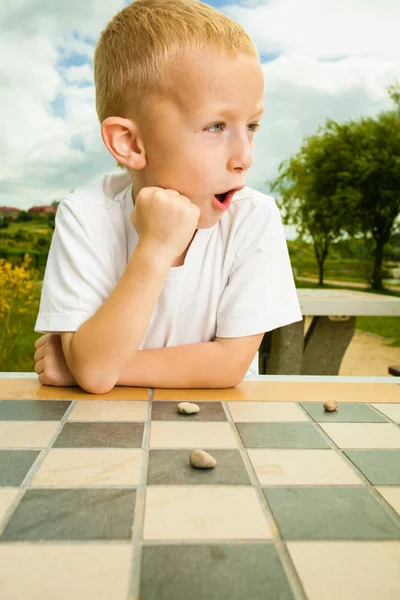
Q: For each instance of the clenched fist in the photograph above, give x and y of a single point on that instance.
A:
(165, 219)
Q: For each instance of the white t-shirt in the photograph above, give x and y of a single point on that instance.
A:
(236, 279)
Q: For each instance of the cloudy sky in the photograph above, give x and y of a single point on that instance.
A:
(321, 58)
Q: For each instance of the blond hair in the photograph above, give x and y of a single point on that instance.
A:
(142, 46)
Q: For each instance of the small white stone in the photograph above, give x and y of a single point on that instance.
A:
(188, 408)
(331, 405)
(201, 459)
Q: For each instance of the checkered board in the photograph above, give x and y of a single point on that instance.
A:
(98, 501)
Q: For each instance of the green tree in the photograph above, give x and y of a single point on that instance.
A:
(345, 180)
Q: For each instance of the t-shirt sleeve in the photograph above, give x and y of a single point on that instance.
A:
(261, 294)
(77, 277)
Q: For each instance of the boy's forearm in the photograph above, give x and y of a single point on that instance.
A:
(106, 342)
(202, 365)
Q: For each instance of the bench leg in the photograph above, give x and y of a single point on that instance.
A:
(325, 343)
(281, 350)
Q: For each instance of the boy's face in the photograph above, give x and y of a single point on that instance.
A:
(190, 145)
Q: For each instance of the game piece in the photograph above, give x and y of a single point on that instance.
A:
(331, 405)
(188, 408)
(201, 459)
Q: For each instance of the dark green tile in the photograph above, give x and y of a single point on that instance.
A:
(101, 514)
(168, 411)
(100, 435)
(280, 435)
(213, 572)
(381, 467)
(351, 412)
(329, 513)
(173, 467)
(32, 410)
(14, 465)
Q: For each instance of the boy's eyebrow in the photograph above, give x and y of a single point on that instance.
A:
(228, 113)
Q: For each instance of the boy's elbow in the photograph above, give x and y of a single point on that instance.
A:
(95, 385)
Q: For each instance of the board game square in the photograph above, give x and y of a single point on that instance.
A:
(302, 467)
(204, 512)
(213, 571)
(390, 410)
(97, 514)
(350, 412)
(89, 467)
(316, 513)
(100, 435)
(254, 412)
(15, 464)
(168, 411)
(27, 434)
(280, 435)
(392, 496)
(347, 570)
(381, 467)
(104, 410)
(33, 410)
(7, 497)
(191, 435)
(363, 435)
(61, 571)
(173, 467)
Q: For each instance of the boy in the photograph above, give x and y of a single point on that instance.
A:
(168, 275)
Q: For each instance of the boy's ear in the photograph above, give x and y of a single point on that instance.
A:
(121, 136)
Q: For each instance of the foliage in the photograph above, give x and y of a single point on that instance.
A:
(19, 301)
(345, 180)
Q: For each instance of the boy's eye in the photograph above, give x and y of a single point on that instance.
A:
(255, 126)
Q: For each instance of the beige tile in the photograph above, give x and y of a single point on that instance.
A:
(363, 435)
(391, 495)
(74, 467)
(27, 434)
(191, 435)
(390, 410)
(7, 496)
(265, 411)
(104, 410)
(348, 570)
(49, 571)
(301, 467)
(204, 512)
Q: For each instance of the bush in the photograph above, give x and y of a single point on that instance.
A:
(19, 302)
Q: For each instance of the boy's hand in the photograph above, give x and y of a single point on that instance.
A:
(165, 219)
(50, 363)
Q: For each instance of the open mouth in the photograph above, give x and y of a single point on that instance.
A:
(222, 197)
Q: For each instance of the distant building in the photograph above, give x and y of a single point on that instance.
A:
(44, 210)
(7, 210)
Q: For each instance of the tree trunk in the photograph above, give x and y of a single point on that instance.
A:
(376, 280)
(321, 271)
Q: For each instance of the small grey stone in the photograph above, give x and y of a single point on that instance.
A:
(331, 405)
(188, 408)
(201, 459)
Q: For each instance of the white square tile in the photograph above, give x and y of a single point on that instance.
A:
(107, 410)
(265, 411)
(390, 410)
(204, 512)
(348, 570)
(301, 467)
(363, 435)
(73, 467)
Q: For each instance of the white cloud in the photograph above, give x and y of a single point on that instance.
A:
(336, 60)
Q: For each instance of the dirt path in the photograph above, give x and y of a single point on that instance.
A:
(351, 284)
(367, 355)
